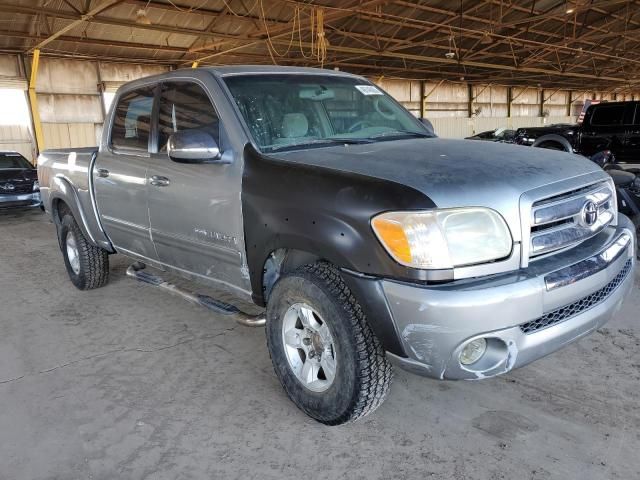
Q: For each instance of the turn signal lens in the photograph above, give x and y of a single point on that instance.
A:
(392, 235)
(443, 238)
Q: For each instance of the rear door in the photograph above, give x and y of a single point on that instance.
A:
(603, 129)
(631, 151)
(195, 209)
(119, 174)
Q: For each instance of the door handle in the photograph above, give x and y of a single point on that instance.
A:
(103, 172)
(159, 181)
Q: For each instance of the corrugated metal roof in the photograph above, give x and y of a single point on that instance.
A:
(551, 42)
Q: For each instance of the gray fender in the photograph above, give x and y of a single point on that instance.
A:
(554, 138)
(63, 191)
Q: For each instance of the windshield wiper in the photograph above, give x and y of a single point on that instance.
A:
(398, 133)
(321, 141)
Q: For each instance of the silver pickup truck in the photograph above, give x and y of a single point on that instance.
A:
(367, 240)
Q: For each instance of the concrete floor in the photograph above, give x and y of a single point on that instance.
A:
(126, 382)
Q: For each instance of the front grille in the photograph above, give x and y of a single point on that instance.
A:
(561, 221)
(564, 313)
(18, 189)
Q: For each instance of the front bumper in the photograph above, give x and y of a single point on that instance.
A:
(523, 315)
(20, 200)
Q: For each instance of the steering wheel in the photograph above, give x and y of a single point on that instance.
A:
(387, 115)
(359, 125)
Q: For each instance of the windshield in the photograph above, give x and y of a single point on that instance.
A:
(287, 111)
(13, 160)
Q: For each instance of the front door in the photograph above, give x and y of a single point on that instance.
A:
(603, 129)
(119, 175)
(195, 209)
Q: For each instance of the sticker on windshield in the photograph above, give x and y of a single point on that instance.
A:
(368, 90)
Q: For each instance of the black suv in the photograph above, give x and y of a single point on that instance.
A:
(611, 126)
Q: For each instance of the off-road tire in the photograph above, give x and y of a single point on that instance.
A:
(94, 261)
(363, 373)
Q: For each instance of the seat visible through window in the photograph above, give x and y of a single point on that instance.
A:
(132, 120)
(185, 106)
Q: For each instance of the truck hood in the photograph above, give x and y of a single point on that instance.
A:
(454, 173)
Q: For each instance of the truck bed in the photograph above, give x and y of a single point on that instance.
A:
(65, 176)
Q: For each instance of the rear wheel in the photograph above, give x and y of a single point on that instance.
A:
(324, 353)
(87, 265)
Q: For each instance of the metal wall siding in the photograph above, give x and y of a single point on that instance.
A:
(65, 135)
(66, 76)
(9, 66)
(461, 128)
(117, 72)
(55, 108)
(17, 138)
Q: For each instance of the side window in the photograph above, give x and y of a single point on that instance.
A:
(132, 120)
(607, 115)
(628, 114)
(185, 106)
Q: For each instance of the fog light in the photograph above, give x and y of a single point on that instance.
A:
(473, 351)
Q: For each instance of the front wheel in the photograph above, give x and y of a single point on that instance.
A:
(87, 265)
(328, 360)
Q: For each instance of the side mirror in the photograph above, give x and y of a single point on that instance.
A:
(193, 146)
(427, 123)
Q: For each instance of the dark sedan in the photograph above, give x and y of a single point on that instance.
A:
(18, 182)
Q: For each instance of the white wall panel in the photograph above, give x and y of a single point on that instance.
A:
(65, 135)
(70, 108)
(9, 66)
(10, 73)
(17, 138)
(67, 76)
(490, 101)
(452, 127)
(446, 100)
(117, 72)
(465, 127)
(525, 103)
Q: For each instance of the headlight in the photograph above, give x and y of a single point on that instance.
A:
(36, 186)
(446, 238)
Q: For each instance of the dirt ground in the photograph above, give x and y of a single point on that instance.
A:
(126, 382)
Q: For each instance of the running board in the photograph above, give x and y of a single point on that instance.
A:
(137, 271)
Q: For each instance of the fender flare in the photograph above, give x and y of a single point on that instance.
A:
(554, 138)
(62, 191)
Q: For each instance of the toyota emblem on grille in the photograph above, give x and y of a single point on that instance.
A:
(8, 187)
(589, 213)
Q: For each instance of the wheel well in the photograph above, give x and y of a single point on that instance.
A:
(59, 209)
(280, 262)
(549, 143)
(553, 142)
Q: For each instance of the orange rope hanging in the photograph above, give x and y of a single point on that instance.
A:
(322, 43)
